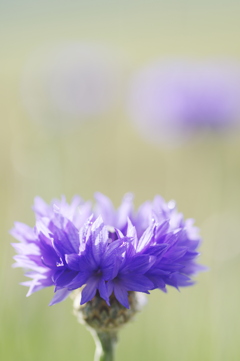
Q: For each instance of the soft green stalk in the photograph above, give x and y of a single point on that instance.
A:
(105, 345)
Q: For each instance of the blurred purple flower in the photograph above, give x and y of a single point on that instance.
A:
(169, 101)
(106, 250)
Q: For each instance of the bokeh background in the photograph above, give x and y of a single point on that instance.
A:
(49, 152)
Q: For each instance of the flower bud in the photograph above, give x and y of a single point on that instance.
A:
(97, 315)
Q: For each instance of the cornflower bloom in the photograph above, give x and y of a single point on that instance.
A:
(108, 255)
(118, 251)
(172, 101)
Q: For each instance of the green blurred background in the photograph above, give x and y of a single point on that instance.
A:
(108, 155)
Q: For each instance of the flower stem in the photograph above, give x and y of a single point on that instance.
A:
(105, 345)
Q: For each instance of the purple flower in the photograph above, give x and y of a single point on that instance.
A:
(170, 101)
(106, 251)
(95, 264)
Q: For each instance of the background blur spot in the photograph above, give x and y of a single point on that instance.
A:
(174, 99)
(68, 84)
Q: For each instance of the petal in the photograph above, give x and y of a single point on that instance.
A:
(33, 287)
(61, 241)
(89, 290)
(157, 281)
(73, 236)
(72, 207)
(37, 283)
(87, 262)
(156, 250)
(132, 233)
(41, 208)
(28, 263)
(26, 248)
(147, 238)
(124, 211)
(49, 255)
(161, 230)
(105, 207)
(99, 239)
(59, 296)
(138, 283)
(83, 213)
(66, 278)
(117, 245)
(140, 264)
(121, 295)
(177, 253)
(42, 227)
(107, 273)
(188, 256)
(110, 286)
(103, 291)
(23, 233)
(79, 281)
(116, 267)
(178, 280)
(73, 261)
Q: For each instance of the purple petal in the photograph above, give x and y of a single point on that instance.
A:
(162, 229)
(89, 290)
(158, 282)
(73, 236)
(105, 208)
(99, 238)
(49, 255)
(121, 295)
(59, 296)
(61, 241)
(80, 280)
(124, 211)
(178, 253)
(41, 208)
(110, 287)
(103, 291)
(132, 233)
(138, 283)
(139, 264)
(86, 261)
(116, 267)
(73, 261)
(42, 227)
(27, 263)
(147, 238)
(23, 233)
(26, 248)
(156, 250)
(66, 278)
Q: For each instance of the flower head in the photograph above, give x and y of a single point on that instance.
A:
(106, 251)
(171, 101)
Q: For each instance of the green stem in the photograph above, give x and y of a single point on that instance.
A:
(105, 345)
